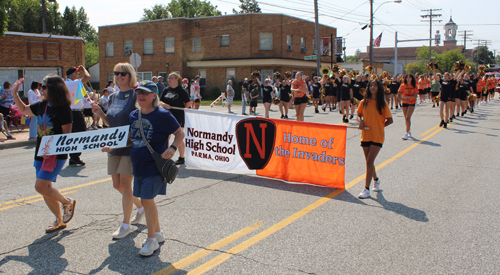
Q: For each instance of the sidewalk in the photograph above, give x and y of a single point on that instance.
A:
(21, 139)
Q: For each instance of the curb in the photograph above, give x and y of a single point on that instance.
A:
(16, 144)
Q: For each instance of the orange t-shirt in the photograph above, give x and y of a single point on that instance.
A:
(374, 120)
(421, 84)
(480, 85)
(491, 84)
(298, 84)
(408, 90)
(428, 83)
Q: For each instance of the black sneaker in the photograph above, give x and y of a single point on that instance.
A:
(180, 161)
(331, 109)
(316, 111)
(442, 123)
(445, 125)
(334, 107)
(10, 137)
(396, 107)
(472, 110)
(282, 116)
(451, 119)
(351, 117)
(76, 162)
(324, 109)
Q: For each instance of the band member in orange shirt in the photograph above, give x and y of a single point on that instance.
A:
(421, 85)
(408, 94)
(373, 112)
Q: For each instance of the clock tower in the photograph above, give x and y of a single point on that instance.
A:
(450, 33)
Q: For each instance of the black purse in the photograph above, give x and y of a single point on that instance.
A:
(166, 167)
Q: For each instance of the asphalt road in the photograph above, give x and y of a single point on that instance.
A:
(437, 213)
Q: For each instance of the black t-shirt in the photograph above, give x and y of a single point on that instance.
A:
(176, 97)
(448, 88)
(346, 87)
(394, 86)
(267, 90)
(286, 88)
(316, 86)
(473, 84)
(245, 85)
(55, 118)
(355, 89)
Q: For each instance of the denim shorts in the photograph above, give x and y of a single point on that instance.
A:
(149, 187)
(51, 176)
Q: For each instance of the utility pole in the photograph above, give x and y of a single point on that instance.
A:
(431, 17)
(371, 32)
(344, 48)
(316, 27)
(466, 35)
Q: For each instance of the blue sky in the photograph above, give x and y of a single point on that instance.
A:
(478, 16)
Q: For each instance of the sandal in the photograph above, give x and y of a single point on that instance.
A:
(69, 210)
(56, 226)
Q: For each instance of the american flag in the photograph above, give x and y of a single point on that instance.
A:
(377, 41)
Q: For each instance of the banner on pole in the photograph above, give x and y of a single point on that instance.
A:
(290, 150)
(115, 137)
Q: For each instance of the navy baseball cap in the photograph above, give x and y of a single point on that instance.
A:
(148, 86)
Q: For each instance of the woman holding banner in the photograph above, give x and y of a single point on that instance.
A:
(54, 117)
(373, 112)
(120, 105)
(299, 89)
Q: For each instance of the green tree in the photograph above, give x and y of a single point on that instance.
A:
(85, 30)
(181, 8)
(53, 18)
(248, 6)
(91, 53)
(159, 11)
(69, 23)
(497, 59)
(24, 16)
(4, 19)
(416, 67)
(482, 55)
(446, 60)
(351, 58)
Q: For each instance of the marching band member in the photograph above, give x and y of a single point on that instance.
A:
(373, 112)
(421, 89)
(356, 93)
(435, 88)
(408, 93)
(328, 86)
(463, 91)
(447, 86)
(491, 87)
(394, 87)
(299, 90)
(345, 97)
(428, 87)
(285, 94)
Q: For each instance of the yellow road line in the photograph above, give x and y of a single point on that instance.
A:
(434, 128)
(280, 225)
(30, 201)
(62, 190)
(204, 252)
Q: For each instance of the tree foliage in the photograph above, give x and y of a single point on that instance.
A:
(3, 17)
(181, 8)
(482, 55)
(445, 61)
(248, 6)
(26, 16)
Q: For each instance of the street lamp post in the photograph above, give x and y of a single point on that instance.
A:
(371, 24)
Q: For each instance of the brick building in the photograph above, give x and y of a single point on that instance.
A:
(216, 48)
(35, 55)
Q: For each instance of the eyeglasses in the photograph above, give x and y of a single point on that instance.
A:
(121, 73)
(142, 92)
(44, 87)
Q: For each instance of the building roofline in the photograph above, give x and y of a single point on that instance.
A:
(43, 35)
(207, 17)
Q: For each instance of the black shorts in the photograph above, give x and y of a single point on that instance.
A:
(267, 99)
(87, 112)
(434, 94)
(285, 97)
(368, 143)
(300, 100)
(408, 105)
(253, 103)
(346, 96)
(428, 90)
(316, 94)
(492, 91)
(197, 100)
(421, 92)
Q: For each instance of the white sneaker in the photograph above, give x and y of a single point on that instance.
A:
(149, 247)
(405, 137)
(121, 232)
(138, 217)
(364, 194)
(160, 238)
(376, 185)
(409, 133)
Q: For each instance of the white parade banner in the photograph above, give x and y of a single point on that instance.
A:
(115, 137)
(211, 142)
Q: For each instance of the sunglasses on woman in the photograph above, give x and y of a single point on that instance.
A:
(121, 73)
(142, 92)
(44, 87)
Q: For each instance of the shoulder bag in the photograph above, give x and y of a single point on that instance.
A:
(50, 162)
(166, 167)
